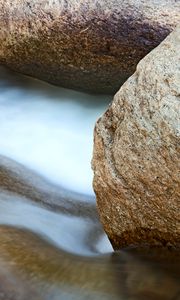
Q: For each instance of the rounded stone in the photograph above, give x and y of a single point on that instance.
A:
(137, 154)
(85, 45)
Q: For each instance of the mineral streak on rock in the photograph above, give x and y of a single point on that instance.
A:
(136, 154)
(87, 45)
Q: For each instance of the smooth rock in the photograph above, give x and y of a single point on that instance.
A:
(33, 268)
(136, 154)
(85, 45)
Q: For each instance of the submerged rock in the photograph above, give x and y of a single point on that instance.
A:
(33, 268)
(86, 45)
(136, 154)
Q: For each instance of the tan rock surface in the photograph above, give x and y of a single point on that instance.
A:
(87, 45)
(137, 156)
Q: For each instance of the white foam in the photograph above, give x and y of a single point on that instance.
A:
(49, 129)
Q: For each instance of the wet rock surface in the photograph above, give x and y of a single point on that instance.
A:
(136, 154)
(32, 268)
(85, 45)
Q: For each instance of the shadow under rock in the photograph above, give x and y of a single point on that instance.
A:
(15, 81)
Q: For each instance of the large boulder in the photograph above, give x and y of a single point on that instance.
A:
(91, 45)
(137, 156)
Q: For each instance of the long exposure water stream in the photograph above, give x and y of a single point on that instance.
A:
(52, 245)
(49, 129)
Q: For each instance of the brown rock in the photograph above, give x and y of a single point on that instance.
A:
(86, 45)
(136, 154)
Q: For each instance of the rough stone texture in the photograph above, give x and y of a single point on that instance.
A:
(136, 154)
(91, 45)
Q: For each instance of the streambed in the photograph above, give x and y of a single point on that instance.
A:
(52, 245)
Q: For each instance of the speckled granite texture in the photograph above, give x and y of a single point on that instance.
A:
(137, 155)
(86, 45)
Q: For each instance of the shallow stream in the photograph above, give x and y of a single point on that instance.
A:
(52, 245)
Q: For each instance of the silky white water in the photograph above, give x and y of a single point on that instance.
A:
(61, 229)
(49, 129)
(59, 251)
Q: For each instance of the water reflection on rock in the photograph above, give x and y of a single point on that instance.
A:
(32, 268)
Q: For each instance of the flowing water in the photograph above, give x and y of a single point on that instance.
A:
(49, 129)
(52, 245)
